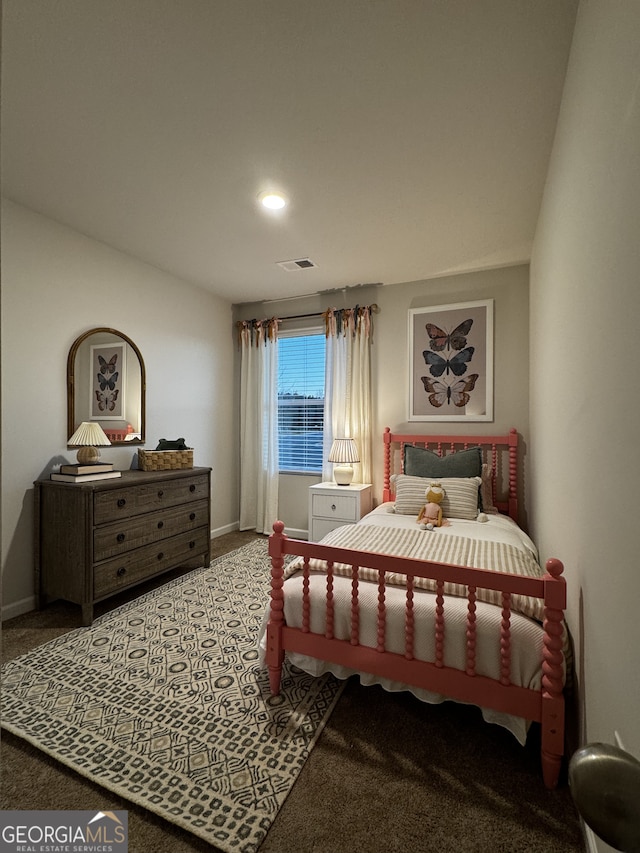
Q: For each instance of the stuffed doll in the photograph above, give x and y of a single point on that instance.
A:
(430, 515)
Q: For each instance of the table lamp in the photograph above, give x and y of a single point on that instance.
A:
(343, 451)
(89, 436)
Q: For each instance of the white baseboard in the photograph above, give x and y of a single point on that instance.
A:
(10, 611)
(590, 839)
(293, 532)
(227, 528)
(296, 534)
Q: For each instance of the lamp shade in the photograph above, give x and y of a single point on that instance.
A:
(343, 451)
(89, 436)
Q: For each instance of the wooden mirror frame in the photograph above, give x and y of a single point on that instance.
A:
(71, 372)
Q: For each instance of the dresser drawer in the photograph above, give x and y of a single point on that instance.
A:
(136, 566)
(121, 536)
(340, 507)
(113, 504)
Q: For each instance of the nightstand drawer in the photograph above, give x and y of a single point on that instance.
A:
(321, 526)
(340, 507)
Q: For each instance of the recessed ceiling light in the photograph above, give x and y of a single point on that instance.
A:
(272, 200)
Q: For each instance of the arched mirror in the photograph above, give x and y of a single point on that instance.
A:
(106, 383)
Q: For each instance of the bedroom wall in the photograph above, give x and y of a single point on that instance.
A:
(585, 305)
(509, 287)
(56, 284)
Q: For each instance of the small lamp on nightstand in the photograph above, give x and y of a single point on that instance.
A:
(343, 451)
(89, 436)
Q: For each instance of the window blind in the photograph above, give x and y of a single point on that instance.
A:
(301, 363)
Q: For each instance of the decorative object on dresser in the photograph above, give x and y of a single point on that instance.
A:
(344, 452)
(168, 455)
(89, 436)
(92, 468)
(102, 536)
(89, 477)
(331, 506)
(106, 383)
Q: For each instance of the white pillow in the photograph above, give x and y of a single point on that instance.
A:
(460, 495)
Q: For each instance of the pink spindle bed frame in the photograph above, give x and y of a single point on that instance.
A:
(545, 706)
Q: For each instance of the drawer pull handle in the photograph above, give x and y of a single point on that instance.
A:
(121, 571)
(120, 537)
(160, 493)
(192, 516)
(160, 525)
(333, 507)
(121, 502)
(192, 487)
(192, 544)
(160, 555)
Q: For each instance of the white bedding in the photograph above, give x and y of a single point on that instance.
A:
(378, 527)
(496, 527)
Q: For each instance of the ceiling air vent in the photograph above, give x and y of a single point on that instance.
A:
(299, 264)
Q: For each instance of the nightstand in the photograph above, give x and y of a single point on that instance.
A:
(332, 506)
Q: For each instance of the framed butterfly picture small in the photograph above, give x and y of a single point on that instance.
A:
(451, 362)
(107, 381)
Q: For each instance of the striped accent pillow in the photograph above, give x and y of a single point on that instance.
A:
(460, 495)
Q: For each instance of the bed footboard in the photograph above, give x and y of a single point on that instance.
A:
(545, 706)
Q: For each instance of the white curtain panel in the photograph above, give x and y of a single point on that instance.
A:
(258, 429)
(347, 401)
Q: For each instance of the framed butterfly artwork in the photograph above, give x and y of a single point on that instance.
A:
(451, 362)
(107, 381)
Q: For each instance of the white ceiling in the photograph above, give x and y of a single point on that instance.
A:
(412, 136)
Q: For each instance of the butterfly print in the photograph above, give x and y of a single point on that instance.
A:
(457, 339)
(458, 393)
(108, 366)
(107, 402)
(457, 364)
(107, 381)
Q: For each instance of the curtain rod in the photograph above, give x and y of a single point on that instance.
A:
(375, 308)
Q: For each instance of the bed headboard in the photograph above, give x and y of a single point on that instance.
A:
(498, 451)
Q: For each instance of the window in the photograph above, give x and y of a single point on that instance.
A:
(300, 402)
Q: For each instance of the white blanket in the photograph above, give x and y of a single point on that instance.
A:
(526, 632)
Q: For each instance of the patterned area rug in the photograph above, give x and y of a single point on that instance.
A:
(163, 702)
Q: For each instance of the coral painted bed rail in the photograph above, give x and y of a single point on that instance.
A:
(545, 706)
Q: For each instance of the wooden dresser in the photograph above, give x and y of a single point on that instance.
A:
(95, 539)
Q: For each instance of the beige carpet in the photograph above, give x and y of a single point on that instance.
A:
(162, 702)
